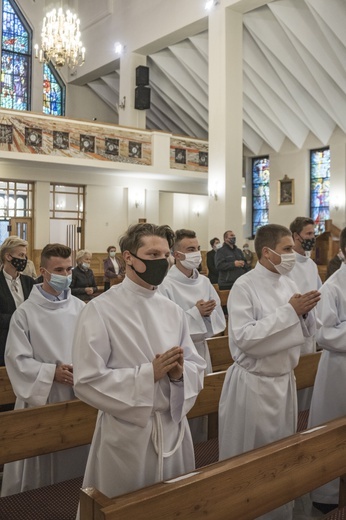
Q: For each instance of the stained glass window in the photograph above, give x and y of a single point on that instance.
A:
(15, 58)
(260, 192)
(319, 187)
(53, 92)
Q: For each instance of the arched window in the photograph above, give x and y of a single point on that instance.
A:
(15, 58)
(319, 187)
(53, 92)
(260, 192)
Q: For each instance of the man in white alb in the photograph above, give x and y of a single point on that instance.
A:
(134, 360)
(305, 275)
(268, 320)
(194, 293)
(38, 359)
(328, 398)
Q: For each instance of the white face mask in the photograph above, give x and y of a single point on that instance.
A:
(192, 260)
(287, 263)
(112, 254)
(218, 245)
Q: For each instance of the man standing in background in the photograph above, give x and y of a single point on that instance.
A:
(230, 262)
(213, 273)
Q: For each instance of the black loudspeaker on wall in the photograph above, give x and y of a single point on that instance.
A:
(142, 98)
(142, 76)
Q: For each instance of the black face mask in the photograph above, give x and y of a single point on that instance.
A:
(308, 243)
(155, 271)
(19, 263)
(232, 241)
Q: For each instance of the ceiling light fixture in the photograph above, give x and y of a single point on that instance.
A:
(60, 40)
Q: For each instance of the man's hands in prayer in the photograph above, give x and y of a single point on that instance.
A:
(239, 263)
(170, 362)
(206, 308)
(64, 374)
(89, 290)
(303, 303)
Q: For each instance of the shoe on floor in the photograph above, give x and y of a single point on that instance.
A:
(325, 508)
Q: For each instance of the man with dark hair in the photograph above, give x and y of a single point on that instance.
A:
(38, 360)
(305, 275)
(200, 302)
(328, 399)
(230, 262)
(267, 325)
(134, 360)
(213, 273)
(193, 292)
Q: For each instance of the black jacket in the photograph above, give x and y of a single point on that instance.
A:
(80, 280)
(213, 273)
(8, 306)
(224, 263)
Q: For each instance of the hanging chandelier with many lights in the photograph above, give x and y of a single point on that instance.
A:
(60, 40)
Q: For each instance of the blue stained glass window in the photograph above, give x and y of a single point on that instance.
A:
(319, 187)
(53, 92)
(16, 40)
(260, 192)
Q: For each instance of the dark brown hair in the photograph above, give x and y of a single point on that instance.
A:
(58, 250)
(132, 240)
(269, 236)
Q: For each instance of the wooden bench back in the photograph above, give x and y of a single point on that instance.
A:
(240, 488)
(220, 354)
(45, 429)
(6, 393)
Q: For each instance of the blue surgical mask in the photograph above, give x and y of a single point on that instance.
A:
(59, 282)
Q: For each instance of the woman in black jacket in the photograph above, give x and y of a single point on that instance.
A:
(83, 283)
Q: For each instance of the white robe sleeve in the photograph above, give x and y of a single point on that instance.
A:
(274, 333)
(31, 379)
(331, 336)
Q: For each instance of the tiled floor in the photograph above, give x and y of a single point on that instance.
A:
(303, 509)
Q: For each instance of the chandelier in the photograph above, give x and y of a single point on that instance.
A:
(60, 40)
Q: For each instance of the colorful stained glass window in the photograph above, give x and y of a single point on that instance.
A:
(53, 92)
(260, 192)
(16, 42)
(319, 187)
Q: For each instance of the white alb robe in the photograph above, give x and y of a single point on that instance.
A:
(305, 275)
(328, 399)
(258, 404)
(186, 292)
(40, 337)
(142, 434)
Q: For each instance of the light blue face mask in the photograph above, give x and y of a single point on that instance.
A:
(59, 282)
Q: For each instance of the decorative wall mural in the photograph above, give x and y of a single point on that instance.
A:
(188, 154)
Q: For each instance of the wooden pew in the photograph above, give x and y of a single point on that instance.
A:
(6, 393)
(50, 428)
(220, 354)
(240, 488)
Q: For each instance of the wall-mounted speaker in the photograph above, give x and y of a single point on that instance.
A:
(142, 76)
(142, 98)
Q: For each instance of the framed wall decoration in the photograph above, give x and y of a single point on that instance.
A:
(286, 191)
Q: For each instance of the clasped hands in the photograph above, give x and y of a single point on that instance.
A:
(304, 303)
(64, 374)
(169, 363)
(206, 307)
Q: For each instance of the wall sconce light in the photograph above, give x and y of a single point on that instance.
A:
(137, 203)
(197, 211)
(122, 104)
(119, 48)
(213, 192)
(210, 4)
(336, 202)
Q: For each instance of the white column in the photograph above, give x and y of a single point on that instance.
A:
(225, 120)
(130, 116)
(41, 215)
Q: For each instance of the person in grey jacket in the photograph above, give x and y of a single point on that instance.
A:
(229, 261)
